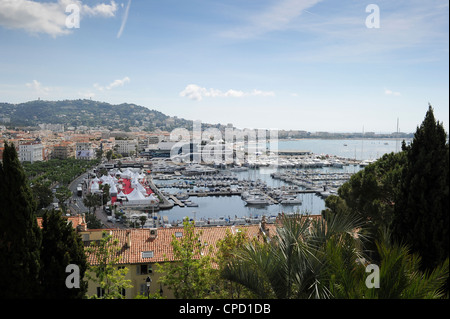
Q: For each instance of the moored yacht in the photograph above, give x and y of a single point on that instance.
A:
(256, 200)
(291, 201)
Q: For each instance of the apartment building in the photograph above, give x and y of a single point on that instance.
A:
(31, 151)
(125, 146)
(63, 150)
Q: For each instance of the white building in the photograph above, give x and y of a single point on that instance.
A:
(31, 152)
(84, 151)
(126, 146)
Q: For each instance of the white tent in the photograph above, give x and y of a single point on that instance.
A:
(153, 199)
(127, 174)
(141, 188)
(137, 198)
(134, 183)
(94, 186)
(121, 195)
(113, 190)
(107, 180)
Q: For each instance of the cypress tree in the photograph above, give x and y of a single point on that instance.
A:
(20, 236)
(422, 209)
(61, 246)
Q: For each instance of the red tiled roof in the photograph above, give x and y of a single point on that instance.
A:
(75, 220)
(160, 245)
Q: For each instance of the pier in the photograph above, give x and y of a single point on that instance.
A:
(176, 201)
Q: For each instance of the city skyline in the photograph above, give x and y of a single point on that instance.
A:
(293, 64)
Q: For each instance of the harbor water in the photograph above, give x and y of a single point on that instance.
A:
(232, 207)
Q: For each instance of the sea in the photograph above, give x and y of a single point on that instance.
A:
(230, 207)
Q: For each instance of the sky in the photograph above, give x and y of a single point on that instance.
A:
(314, 65)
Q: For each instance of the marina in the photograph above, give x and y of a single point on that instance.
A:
(224, 193)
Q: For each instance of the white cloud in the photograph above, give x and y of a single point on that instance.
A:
(38, 88)
(276, 17)
(197, 93)
(102, 9)
(46, 17)
(389, 92)
(115, 83)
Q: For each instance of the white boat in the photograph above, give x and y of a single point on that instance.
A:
(337, 164)
(238, 169)
(189, 203)
(367, 162)
(256, 200)
(291, 201)
(182, 196)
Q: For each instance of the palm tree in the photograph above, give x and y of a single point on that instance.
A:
(142, 219)
(292, 264)
(323, 258)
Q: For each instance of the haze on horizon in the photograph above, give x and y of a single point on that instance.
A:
(311, 65)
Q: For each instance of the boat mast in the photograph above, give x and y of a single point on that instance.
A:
(362, 144)
(396, 137)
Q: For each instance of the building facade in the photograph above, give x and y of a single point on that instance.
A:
(141, 249)
(126, 146)
(63, 151)
(84, 151)
(31, 152)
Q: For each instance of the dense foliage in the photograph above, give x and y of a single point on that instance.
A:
(33, 261)
(56, 170)
(20, 236)
(421, 217)
(78, 113)
(61, 246)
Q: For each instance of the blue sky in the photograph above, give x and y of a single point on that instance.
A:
(287, 64)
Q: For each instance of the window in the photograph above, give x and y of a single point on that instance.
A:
(144, 269)
(178, 234)
(147, 254)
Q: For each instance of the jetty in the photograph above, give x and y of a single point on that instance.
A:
(176, 201)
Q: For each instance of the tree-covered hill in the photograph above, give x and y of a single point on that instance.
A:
(89, 113)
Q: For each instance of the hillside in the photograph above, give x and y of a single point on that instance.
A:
(89, 113)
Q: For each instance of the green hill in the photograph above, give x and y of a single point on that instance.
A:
(89, 113)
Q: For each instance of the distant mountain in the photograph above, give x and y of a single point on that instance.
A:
(88, 113)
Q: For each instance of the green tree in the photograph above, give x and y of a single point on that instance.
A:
(402, 278)
(109, 155)
(421, 217)
(226, 247)
(142, 220)
(293, 263)
(93, 222)
(104, 268)
(61, 246)
(371, 194)
(20, 236)
(105, 191)
(92, 201)
(63, 194)
(189, 275)
(42, 195)
(99, 153)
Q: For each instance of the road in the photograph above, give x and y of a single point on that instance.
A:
(77, 206)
